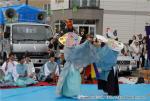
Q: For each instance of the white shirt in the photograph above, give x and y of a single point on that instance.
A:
(30, 68)
(136, 51)
(11, 68)
(47, 71)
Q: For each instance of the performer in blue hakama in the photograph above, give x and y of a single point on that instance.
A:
(76, 57)
(108, 79)
(21, 70)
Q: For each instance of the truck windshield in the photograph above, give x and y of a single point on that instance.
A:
(31, 32)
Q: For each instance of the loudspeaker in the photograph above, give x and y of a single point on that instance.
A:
(41, 16)
(10, 13)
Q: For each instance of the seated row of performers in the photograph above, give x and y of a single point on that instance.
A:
(22, 72)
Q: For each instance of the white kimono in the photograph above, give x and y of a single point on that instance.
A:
(10, 72)
(30, 69)
(47, 69)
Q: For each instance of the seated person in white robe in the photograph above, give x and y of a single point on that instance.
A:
(8, 69)
(48, 70)
(30, 67)
(21, 70)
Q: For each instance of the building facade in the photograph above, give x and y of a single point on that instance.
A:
(127, 16)
(43, 4)
(86, 14)
(4, 3)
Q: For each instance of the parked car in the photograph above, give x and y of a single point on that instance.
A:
(126, 63)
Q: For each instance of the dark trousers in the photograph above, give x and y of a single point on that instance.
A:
(110, 86)
(143, 61)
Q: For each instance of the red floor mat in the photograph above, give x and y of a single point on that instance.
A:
(38, 84)
(50, 84)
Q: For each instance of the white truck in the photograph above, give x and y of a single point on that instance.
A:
(26, 37)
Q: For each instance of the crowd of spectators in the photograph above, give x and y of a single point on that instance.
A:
(137, 49)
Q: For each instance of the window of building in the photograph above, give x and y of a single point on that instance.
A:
(59, 1)
(84, 3)
(92, 3)
(92, 30)
(74, 3)
(47, 8)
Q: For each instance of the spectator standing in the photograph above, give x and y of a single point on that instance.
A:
(135, 51)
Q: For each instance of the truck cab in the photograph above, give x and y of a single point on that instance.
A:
(27, 37)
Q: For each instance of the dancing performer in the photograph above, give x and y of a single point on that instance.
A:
(76, 57)
(69, 27)
(108, 79)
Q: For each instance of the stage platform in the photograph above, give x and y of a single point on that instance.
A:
(138, 92)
